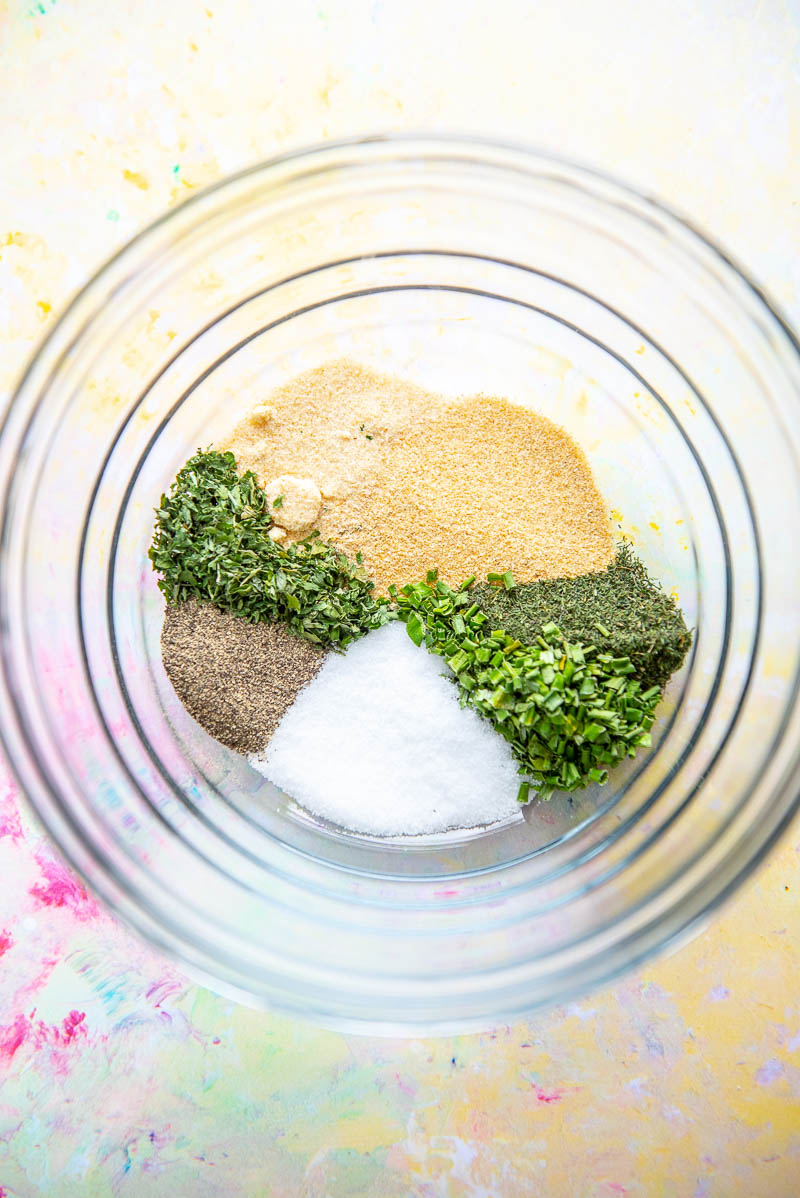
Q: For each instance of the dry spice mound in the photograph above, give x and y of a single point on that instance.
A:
(414, 481)
(621, 611)
(329, 424)
(235, 678)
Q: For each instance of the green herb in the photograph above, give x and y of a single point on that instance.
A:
(211, 543)
(569, 711)
(507, 579)
(621, 610)
(278, 502)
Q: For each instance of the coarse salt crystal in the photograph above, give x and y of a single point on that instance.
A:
(378, 744)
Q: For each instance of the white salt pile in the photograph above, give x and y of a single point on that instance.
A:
(377, 743)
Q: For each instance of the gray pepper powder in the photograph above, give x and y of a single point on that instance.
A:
(236, 679)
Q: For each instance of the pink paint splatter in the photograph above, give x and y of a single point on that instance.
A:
(73, 1026)
(26, 1028)
(6, 940)
(10, 824)
(543, 1096)
(13, 1036)
(445, 893)
(769, 1072)
(718, 993)
(404, 1086)
(40, 978)
(62, 889)
(617, 1188)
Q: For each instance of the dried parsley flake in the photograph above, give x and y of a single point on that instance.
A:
(211, 544)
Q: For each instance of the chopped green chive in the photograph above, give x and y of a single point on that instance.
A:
(568, 712)
(621, 610)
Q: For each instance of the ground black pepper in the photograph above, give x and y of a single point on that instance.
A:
(235, 678)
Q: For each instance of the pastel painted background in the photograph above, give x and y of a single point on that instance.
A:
(117, 1075)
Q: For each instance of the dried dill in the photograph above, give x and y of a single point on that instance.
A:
(620, 610)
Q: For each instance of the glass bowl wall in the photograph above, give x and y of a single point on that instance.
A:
(466, 267)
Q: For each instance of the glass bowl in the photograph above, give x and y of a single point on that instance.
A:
(467, 267)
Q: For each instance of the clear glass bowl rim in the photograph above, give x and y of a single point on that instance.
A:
(58, 342)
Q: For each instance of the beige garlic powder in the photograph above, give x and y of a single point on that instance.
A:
(414, 480)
